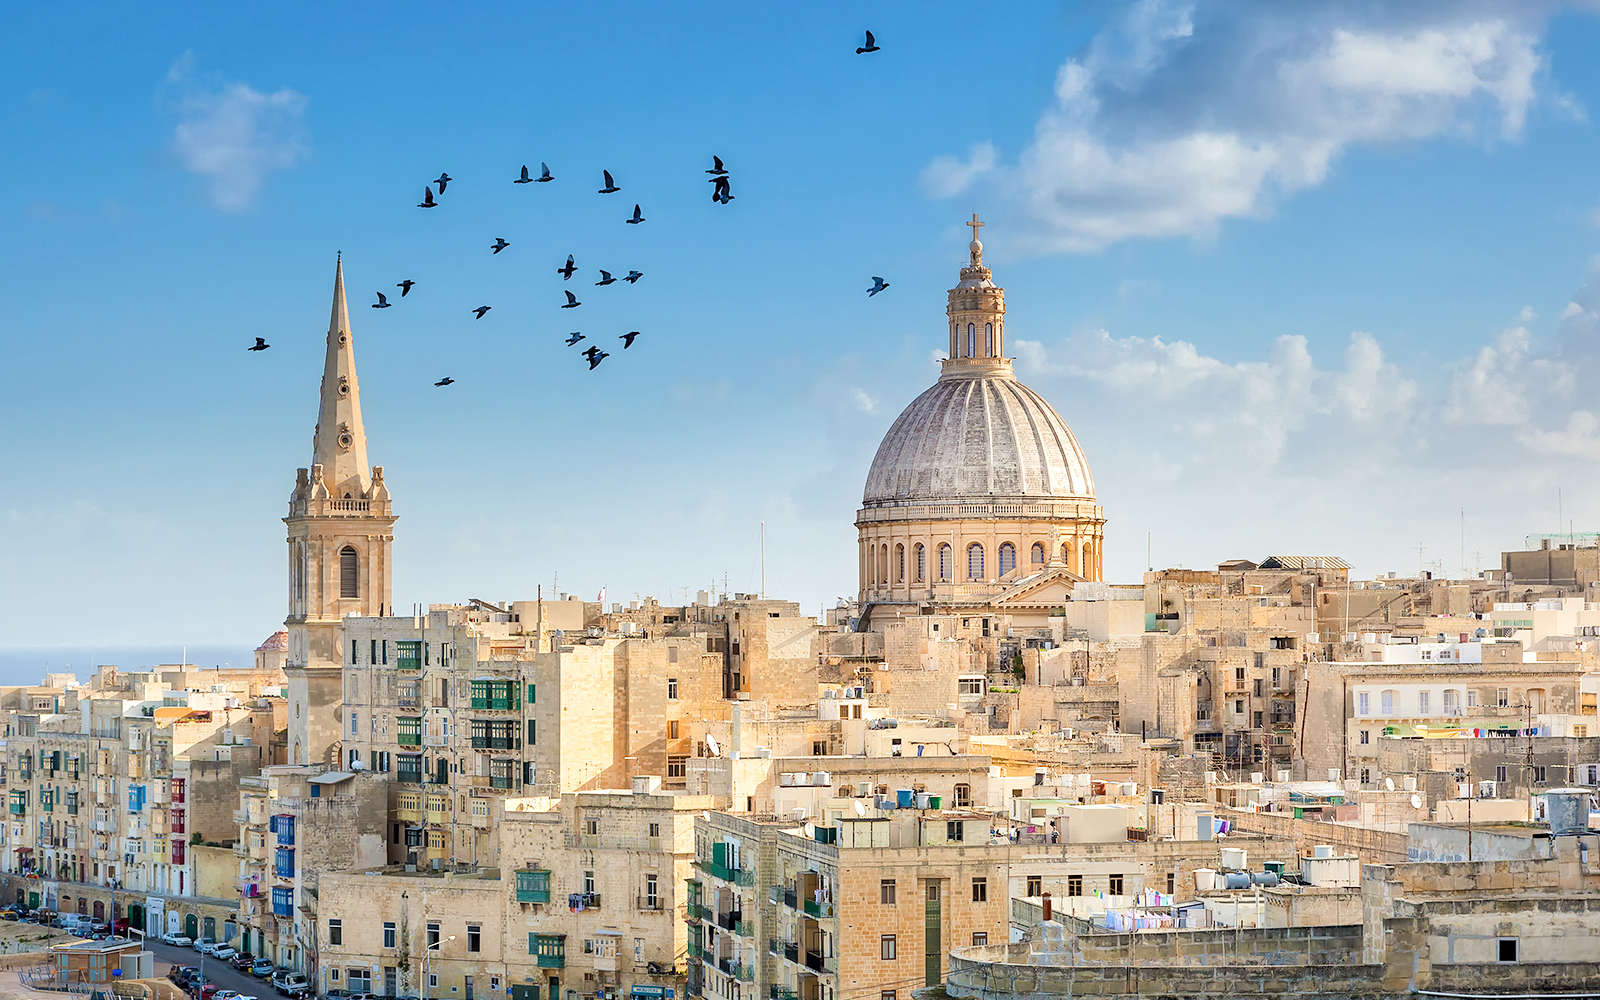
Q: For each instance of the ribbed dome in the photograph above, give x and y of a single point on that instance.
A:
(970, 438)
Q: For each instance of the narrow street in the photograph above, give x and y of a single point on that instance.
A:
(220, 972)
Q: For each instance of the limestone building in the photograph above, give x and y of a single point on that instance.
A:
(979, 492)
(341, 531)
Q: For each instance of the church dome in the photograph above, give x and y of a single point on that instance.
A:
(978, 435)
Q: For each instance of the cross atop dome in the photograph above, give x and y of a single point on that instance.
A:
(975, 247)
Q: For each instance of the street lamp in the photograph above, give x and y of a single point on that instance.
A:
(427, 957)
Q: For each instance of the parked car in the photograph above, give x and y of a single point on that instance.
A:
(204, 991)
(262, 968)
(225, 995)
(366, 996)
(194, 981)
(8, 915)
(242, 961)
(223, 952)
(337, 995)
(288, 983)
(180, 974)
(177, 939)
(205, 945)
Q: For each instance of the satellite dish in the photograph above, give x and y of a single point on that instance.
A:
(1388, 783)
(811, 830)
(706, 815)
(861, 807)
(711, 744)
(1416, 802)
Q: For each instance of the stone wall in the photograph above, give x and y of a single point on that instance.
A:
(1373, 846)
(978, 979)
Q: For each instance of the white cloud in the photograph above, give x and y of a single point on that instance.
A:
(234, 135)
(949, 175)
(1179, 114)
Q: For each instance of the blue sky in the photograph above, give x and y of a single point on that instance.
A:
(1308, 282)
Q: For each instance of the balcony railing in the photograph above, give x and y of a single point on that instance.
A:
(409, 739)
(738, 876)
(495, 743)
(784, 895)
(788, 949)
(728, 919)
(650, 903)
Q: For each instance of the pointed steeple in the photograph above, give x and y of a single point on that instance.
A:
(339, 446)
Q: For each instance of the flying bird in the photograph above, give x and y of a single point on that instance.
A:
(871, 46)
(260, 345)
(721, 193)
(595, 359)
(606, 278)
(566, 272)
(574, 338)
(524, 179)
(637, 217)
(627, 339)
(544, 174)
(481, 310)
(444, 179)
(427, 199)
(498, 245)
(447, 380)
(611, 185)
(716, 167)
(590, 351)
(572, 302)
(382, 303)
(878, 285)
(405, 287)
(632, 277)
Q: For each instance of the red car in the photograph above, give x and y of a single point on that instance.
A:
(205, 992)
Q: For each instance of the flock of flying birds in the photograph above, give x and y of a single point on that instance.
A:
(721, 193)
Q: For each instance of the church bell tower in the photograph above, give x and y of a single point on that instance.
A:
(341, 536)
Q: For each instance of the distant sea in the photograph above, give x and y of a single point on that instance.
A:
(29, 664)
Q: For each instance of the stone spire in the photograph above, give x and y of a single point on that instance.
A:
(977, 312)
(339, 446)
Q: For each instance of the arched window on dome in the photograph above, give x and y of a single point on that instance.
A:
(1038, 553)
(1066, 556)
(921, 562)
(1088, 561)
(1008, 558)
(975, 561)
(883, 567)
(899, 564)
(947, 567)
(988, 340)
(972, 340)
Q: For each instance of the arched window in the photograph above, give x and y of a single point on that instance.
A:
(1066, 555)
(1038, 553)
(1452, 702)
(883, 565)
(947, 567)
(1088, 561)
(899, 564)
(975, 561)
(972, 340)
(922, 563)
(1008, 558)
(349, 578)
(963, 795)
(988, 340)
(1386, 702)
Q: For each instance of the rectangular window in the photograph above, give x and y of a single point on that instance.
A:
(1502, 697)
(1074, 885)
(979, 938)
(652, 891)
(336, 932)
(433, 934)
(955, 830)
(887, 950)
(591, 827)
(980, 890)
(474, 937)
(333, 975)
(533, 732)
(1277, 678)
(1538, 774)
(677, 767)
(1366, 737)
(1035, 886)
(353, 729)
(1472, 698)
(672, 729)
(1363, 704)
(388, 934)
(588, 882)
(1507, 951)
(969, 685)
(819, 748)
(1424, 703)
(886, 892)
(1500, 772)
(1114, 885)
(1238, 675)
(1258, 691)
(672, 689)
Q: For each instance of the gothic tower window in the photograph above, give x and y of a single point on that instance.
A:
(921, 562)
(899, 564)
(1038, 553)
(988, 340)
(1066, 554)
(883, 566)
(946, 564)
(975, 561)
(1008, 558)
(972, 340)
(349, 579)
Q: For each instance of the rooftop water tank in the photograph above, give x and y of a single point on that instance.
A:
(1205, 879)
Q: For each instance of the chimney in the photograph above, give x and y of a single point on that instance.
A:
(1046, 898)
